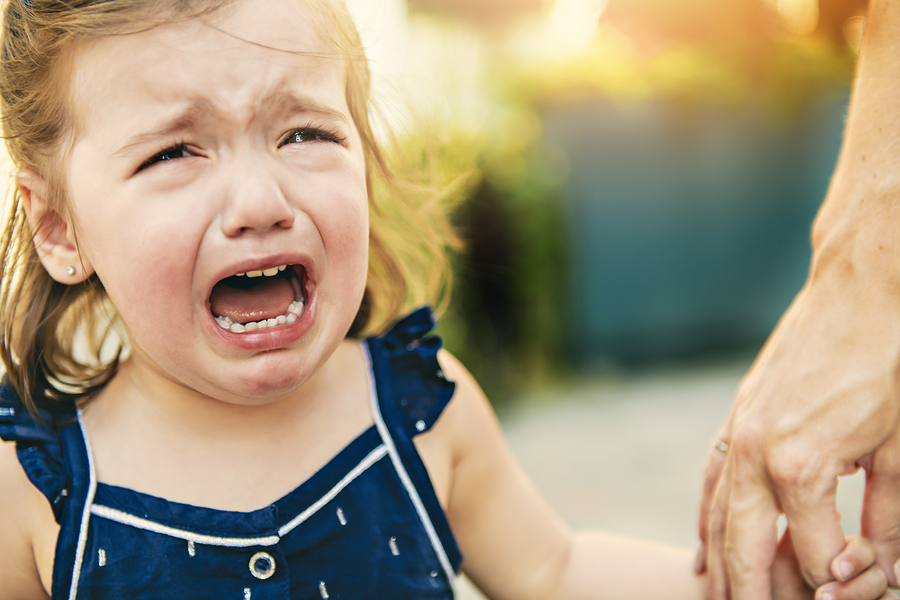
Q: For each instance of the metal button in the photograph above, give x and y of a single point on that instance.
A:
(262, 565)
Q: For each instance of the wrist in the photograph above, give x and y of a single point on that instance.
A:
(858, 251)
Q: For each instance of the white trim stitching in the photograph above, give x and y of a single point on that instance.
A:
(124, 518)
(404, 476)
(85, 515)
(373, 457)
(198, 538)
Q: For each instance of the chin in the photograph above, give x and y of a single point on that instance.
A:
(264, 385)
(260, 392)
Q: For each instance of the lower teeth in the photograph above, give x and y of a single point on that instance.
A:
(293, 314)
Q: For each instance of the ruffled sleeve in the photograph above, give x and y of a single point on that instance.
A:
(411, 394)
(420, 391)
(38, 446)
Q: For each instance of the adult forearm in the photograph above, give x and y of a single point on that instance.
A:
(858, 221)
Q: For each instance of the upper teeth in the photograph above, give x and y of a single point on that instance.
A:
(266, 273)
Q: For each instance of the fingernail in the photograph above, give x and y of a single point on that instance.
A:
(826, 596)
(846, 570)
(897, 570)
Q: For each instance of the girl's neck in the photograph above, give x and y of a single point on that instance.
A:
(143, 393)
(152, 435)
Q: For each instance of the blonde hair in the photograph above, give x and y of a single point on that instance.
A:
(41, 318)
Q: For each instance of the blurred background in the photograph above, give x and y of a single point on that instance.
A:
(637, 180)
(639, 176)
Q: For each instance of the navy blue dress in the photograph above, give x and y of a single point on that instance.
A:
(367, 525)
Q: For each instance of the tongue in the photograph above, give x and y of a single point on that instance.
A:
(265, 300)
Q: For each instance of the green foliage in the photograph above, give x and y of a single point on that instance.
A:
(510, 280)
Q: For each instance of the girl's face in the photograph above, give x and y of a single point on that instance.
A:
(208, 150)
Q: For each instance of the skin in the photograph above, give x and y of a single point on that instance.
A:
(194, 410)
(821, 400)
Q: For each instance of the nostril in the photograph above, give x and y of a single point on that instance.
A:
(260, 216)
(288, 221)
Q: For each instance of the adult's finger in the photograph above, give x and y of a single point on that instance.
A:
(751, 531)
(808, 497)
(715, 498)
(787, 582)
(715, 465)
(718, 515)
(881, 509)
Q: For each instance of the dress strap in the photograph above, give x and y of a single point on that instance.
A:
(73, 532)
(409, 395)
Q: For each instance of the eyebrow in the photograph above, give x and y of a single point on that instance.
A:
(282, 102)
(285, 102)
(183, 121)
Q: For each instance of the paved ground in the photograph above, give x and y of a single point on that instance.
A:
(626, 454)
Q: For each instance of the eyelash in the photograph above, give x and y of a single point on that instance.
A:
(162, 156)
(303, 134)
(311, 134)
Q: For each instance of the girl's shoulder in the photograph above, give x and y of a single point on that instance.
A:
(16, 491)
(27, 529)
(37, 447)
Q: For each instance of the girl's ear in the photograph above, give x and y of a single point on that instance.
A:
(54, 235)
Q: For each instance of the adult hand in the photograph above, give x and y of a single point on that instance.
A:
(822, 398)
(820, 401)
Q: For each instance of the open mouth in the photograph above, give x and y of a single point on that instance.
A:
(260, 299)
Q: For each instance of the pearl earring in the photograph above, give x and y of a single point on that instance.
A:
(70, 271)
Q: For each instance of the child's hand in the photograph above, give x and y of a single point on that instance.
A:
(857, 575)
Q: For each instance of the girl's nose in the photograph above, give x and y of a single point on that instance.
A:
(255, 205)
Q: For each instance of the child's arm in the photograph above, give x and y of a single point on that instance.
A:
(516, 547)
(23, 512)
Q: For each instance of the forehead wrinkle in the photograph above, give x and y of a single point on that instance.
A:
(183, 121)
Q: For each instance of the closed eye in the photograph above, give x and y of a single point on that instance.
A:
(310, 134)
(173, 153)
